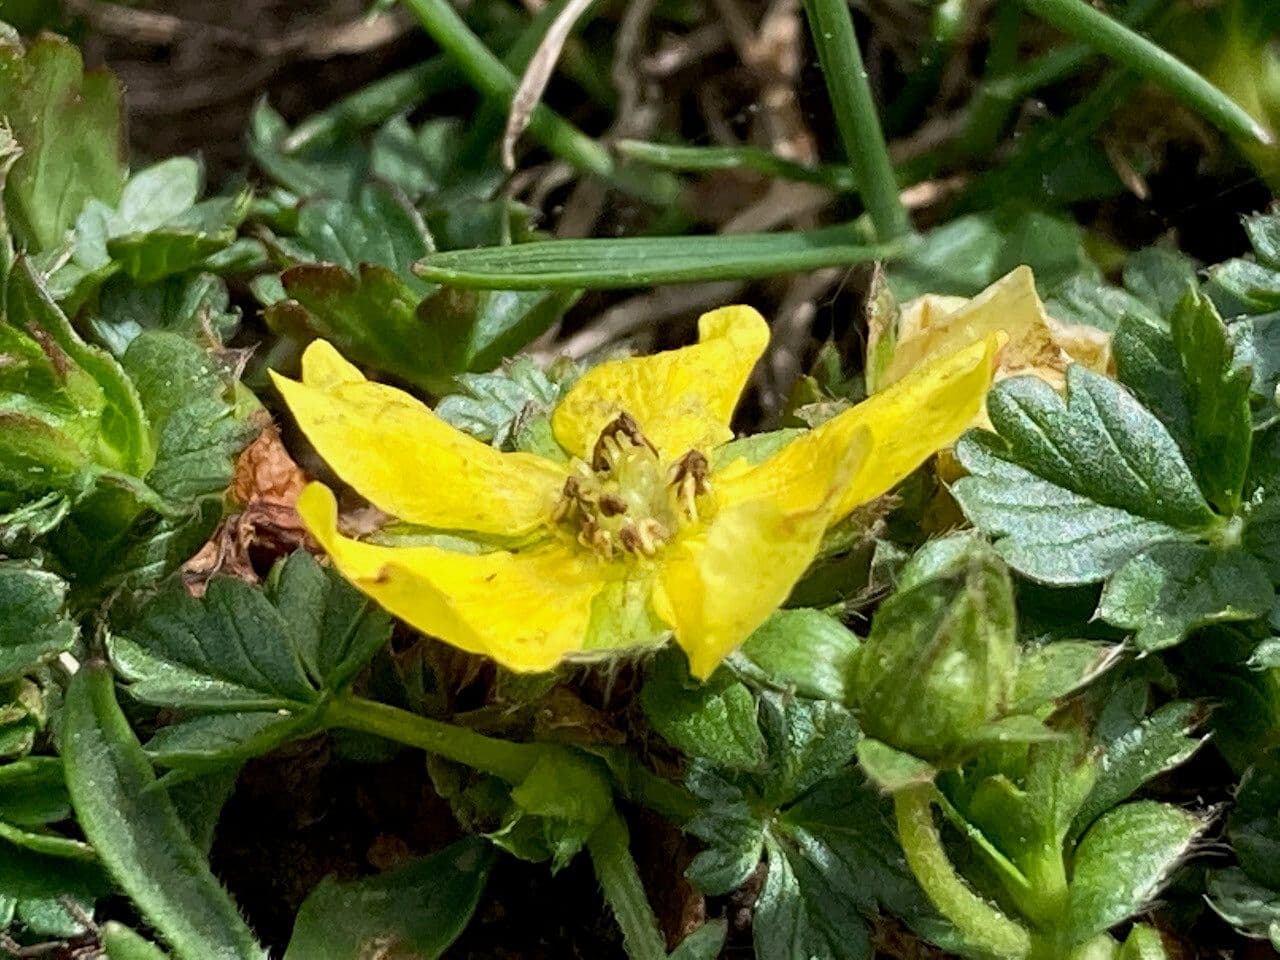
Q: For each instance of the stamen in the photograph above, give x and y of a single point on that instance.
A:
(612, 505)
(608, 447)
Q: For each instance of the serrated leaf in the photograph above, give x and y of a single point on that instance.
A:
(34, 625)
(263, 659)
(1198, 390)
(196, 434)
(1124, 860)
(1137, 749)
(68, 125)
(1169, 589)
(1074, 491)
(241, 648)
(417, 909)
(1051, 671)
(714, 721)
(136, 831)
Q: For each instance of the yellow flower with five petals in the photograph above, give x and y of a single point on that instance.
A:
(650, 526)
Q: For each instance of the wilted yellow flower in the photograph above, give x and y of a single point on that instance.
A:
(641, 530)
(1036, 344)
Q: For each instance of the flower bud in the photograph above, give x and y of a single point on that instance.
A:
(941, 658)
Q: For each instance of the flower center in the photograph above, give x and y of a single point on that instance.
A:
(627, 500)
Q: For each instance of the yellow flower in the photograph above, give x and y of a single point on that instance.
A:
(646, 528)
(1036, 344)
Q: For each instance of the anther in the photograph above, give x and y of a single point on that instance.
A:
(624, 425)
(612, 505)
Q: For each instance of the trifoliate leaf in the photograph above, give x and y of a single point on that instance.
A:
(68, 125)
(420, 907)
(263, 659)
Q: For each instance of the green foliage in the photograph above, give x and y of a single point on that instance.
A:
(67, 124)
(420, 907)
(257, 666)
(136, 831)
(804, 809)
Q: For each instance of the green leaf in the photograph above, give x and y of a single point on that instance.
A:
(1263, 231)
(264, 660)
(834, 846)
(106, 418)
(1242, 287)
(136, 831)
(715, 721)
(967, 254)
(510, 408)
(892, 770)
(1073, 491)
(1190, 377)
(1159, 278)
(194, 305)
(803, 650)
(1170, 589)
(68, 125)
(1257, 346)
(1251, 907)
(557, 807)
(416, 910)
(34, 625)
(1136, 749)
(121, 943)
(1124, 860)
(1143, 943)
(642, 262)
(1051, 671)
(189, 403)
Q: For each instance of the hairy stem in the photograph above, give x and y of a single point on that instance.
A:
(981, 923)
(610, 851)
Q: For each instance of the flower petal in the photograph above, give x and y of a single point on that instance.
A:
(526, 610)
(936, 326)
(682, 399)
(410, 463)
(717, 585)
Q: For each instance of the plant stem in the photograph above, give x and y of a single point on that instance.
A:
(991, 106)
(1139, 54)
(502, 758)
(488, 75)
(981, 923)
(616, 870)
(831, 24)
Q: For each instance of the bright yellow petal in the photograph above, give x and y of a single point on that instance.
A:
(719, 583)
(683, 399)
(907, 423)
(410, 463)
(526, 610)
(936, 326)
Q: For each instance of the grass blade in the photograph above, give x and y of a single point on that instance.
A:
(136, 831)
(831, 24)
(1077, 18)
(647, 261)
